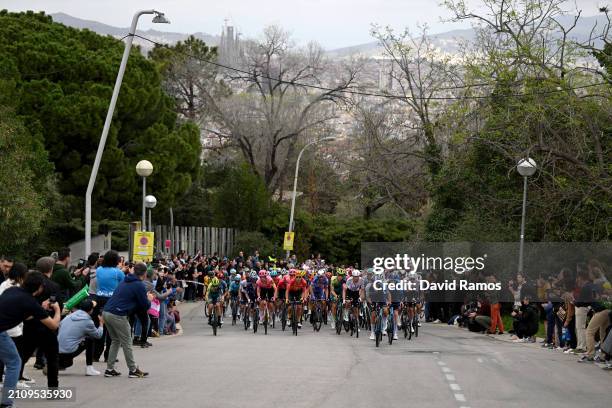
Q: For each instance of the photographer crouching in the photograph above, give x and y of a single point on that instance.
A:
(526, 321)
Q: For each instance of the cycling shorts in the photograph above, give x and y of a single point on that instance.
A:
(295, 295)
(266, 293)
(281, 293)
(318, 295)
(352, 295)
(213, 297)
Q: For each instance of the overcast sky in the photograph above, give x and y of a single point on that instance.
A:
(333, 23)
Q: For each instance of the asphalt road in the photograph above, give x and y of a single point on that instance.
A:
(444, 367)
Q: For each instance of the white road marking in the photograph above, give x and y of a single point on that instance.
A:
(479, 360)
(454, 387)
(460, 397)
(441, 363)
(450, 377)
(446, 370)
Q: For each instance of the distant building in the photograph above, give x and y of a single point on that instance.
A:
(230, 46)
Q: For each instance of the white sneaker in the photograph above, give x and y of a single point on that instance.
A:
(21, 385)
(333, 325)
(372, 336)
(91, 371)
(411, 329)
(299, 325)
(437, 321)
(395, 336)
(419, 324)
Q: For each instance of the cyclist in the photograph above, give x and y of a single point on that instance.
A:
(297, 291)
(377, 298)
(276, 277)
(395, 298)
(248, 291)
(234, 290)
(214, 297)
(319, 292)
(338, 283)
(354, 291)
(266, 288)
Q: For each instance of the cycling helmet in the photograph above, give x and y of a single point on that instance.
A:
(300, 274)
(263, 273)
(233, 271)
(237, 278)
(370, 271)
(321, 272)
(292, 272)
(210, 273)
(274, 273)
(356, 272)
(283, 272)
(253, 275)
(214, 282)
(341, 272)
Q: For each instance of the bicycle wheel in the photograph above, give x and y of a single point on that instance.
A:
(255, 319)
(294, 319)
(214, 320)
(234, 312)
(274, 317)
(284, 316)
(245, 318)
(265, 321)
(206, 308)
(410, 329)
(318, 318)
(416, 326)
(339, 318)
(404, 321)
(390, 328)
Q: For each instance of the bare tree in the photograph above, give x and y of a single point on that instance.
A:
(423, 75)
(273, 105)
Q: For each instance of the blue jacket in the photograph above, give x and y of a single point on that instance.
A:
(107, 280)
(74, 329)
(129, 296)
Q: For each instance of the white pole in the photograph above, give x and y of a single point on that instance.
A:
(107, 123)
(144, 194)
(297, 169)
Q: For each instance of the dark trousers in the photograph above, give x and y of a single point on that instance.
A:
(36, 335)
(66, 359)
(143, 316)
(101, 345)
(19, 344)
(190, 291)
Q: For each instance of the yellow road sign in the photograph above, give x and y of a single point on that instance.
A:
(143, 246)
(288, 241)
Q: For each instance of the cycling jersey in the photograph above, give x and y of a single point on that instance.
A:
(248, 289)
(337, 284)
(295, 285)
(234, 288)
(265, 283)
(355, 286)
(283, 282)
(319, 284)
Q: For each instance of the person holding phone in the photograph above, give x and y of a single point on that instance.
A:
(17, 305)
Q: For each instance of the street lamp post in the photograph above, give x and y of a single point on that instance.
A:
(144, 168)
(159, 18)
(526, 168)
(150, 202)
(297, 169)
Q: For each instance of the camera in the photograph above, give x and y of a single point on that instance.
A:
(52, 299)
(81, 263)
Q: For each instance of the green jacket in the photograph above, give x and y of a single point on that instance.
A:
(68, 285)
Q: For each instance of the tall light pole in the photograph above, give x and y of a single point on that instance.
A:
(144, 168)
(297, 169)
(526, 168)
(150, 203)
(159, 18)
